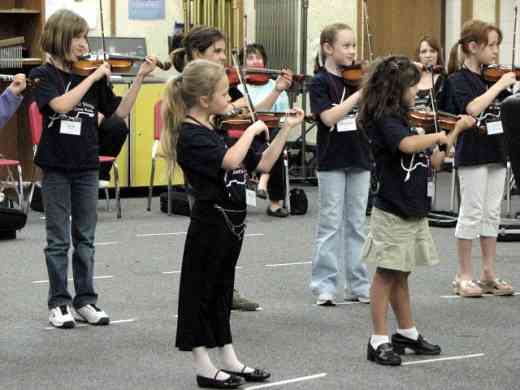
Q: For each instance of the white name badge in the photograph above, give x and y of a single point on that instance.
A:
(347, 124)
(494, 128)
(430, 192)
(70, 127)
(251, 198)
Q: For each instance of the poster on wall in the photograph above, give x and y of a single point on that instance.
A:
(145, 9)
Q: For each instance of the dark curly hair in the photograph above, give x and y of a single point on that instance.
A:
(384, 91)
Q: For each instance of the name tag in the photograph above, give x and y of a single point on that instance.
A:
(347, 124)
(251, 198)
(494, 127)
(70, 127)
(430, 192)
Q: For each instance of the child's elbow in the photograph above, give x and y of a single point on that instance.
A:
(406, 146)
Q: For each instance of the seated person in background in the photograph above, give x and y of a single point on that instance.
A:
(112, 133)
(259, 87)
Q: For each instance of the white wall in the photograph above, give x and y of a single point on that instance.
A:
(453, 16)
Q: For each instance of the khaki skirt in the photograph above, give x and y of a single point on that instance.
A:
(399, 244)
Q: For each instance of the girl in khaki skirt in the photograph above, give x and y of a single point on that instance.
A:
(399, 236)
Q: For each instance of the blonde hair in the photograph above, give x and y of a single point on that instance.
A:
(200, 78)
(328, 35)
(60, 29)
(472, 31)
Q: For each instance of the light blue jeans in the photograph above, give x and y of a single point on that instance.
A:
(341, 232)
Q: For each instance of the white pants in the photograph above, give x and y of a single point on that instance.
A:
(482, 189)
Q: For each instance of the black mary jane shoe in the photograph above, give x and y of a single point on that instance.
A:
(419, 346)
(258, 375)
(384, 355)
(262, 194)
(213, 383)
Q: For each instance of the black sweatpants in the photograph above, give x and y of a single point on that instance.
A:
(210, 255)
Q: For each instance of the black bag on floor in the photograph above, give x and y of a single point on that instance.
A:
(441, 218)
(37, 201)
(298, 201)
(179, 201)
(11, 220)
(509, 230)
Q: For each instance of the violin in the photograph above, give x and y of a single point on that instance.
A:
(353, 74)
(118, 63)
(28, 81)
(445, 121)
(259, 76)
(425, 120)
(493, 73)
(236, 122)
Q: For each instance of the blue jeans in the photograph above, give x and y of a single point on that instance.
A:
(341, 232)
(72, 195)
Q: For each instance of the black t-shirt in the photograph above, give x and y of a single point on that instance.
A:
(403, 178)
(473, 148)
(200, 152)
(61, 147)
(336, 150)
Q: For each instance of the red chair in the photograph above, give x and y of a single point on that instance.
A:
(158, 125)
(36, 125)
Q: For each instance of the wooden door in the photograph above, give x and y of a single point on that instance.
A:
(397, 25)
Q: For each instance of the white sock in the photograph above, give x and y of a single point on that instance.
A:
(376, 340)
(204, 366)
(230, 360)
(409, 333)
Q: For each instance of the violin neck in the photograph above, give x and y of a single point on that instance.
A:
(6, 77)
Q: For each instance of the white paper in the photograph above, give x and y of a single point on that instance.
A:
(250, 198)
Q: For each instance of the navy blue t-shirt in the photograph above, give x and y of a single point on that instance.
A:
(70, 152)
(402, 178)
(200, 152)
(336, 150)
(473, 148)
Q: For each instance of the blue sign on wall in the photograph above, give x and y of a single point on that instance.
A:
(145, 9)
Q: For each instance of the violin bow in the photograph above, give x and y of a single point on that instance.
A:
(514, 40)
(241, 80)
(369, 36)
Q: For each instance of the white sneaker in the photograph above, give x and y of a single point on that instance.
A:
(325, 300)
(93, 315)
(60, 317)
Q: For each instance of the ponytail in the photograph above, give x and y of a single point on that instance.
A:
(456, 58)
(173, 112)
(178, 59)
(199, 78)
(328, 35)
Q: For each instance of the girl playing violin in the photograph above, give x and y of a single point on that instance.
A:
(272, 183)
(68, 157)
(480, 159)
(433, 75)
(218, 175)
(208, 43)
(343, 173)
(399, 237)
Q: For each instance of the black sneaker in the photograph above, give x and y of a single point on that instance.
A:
(419, 346)
(384, 355)
(243, 304)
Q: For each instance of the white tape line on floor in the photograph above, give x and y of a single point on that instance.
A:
(70, 279)
(288, 381)
(287, 264)
(83, 325)
(460, 357)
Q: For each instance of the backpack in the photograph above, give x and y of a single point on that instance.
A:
(298, 201)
